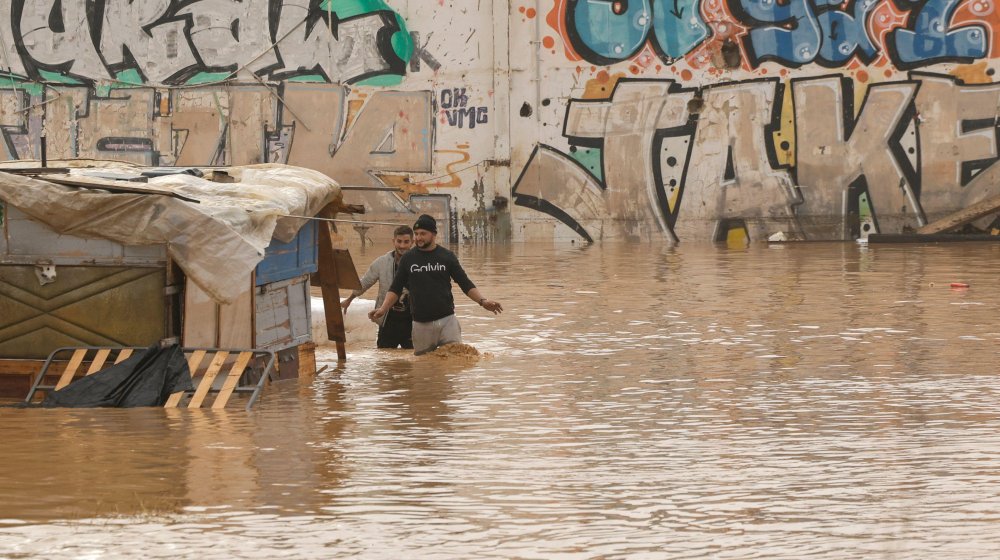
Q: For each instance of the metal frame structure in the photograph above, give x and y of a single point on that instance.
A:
(70, 353)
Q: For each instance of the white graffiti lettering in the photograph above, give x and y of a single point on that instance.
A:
(166, 42)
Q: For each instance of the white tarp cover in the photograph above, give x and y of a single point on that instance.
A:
(217, 242)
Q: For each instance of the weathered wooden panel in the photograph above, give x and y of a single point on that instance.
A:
(347, 273)
(208, 324)
(283, 314)
(236, 321)
(16, 377)
(201, 318)
(83, 306)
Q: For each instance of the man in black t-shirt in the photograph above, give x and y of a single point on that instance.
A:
(427, 271)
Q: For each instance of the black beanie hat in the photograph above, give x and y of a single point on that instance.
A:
(427, 223)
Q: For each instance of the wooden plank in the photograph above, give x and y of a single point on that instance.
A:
(22, 367)
(201, 318)
(208, 379)
(307, 359)
(347, 273)
(232, 379)
(125, 354)
(71, 367)
(34, 170)
(173, 400)
(194, 362)
(98, 363)
(328, 282)
(17, 376)
(236, 320)
(958, 219)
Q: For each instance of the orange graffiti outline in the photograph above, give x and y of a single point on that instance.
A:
(455, 180)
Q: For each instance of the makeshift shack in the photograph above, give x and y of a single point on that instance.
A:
(118, 255)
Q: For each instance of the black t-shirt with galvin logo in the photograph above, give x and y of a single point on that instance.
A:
(428, 275)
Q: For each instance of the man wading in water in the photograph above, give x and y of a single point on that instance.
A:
(427, 272)
(394, 329)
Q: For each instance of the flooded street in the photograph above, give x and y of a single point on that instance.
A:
(633, 401)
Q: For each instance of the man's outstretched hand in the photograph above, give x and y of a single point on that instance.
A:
(493, 306)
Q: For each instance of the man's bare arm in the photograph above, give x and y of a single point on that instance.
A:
(390, 299)
(486, 303)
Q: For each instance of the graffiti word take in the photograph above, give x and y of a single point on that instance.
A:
(165, 42)
(794, 32)
(454, 106)
(667, 172)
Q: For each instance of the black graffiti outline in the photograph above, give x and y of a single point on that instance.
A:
(669, 218)
(21, 129)
(390, 26)
(850, 122)
(581, 46)
(769, 129)
(773, 124)
(687, 129)
(970, 169)
(544, 206)
(95, 13)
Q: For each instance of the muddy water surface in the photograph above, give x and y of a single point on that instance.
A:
(633, 402)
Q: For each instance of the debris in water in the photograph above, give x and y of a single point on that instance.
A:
(456, 350)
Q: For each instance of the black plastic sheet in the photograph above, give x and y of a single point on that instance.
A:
(147, 378)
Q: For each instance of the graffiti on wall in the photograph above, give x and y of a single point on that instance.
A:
(314, 125)
(831, 33)
(456, 110)
(215, 82)
(694, 163)
(169, 42)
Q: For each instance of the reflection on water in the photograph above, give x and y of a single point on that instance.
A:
(635, 401)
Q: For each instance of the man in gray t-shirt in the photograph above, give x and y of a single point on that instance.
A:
(395, 327)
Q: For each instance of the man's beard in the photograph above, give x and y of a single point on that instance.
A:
(422, 244)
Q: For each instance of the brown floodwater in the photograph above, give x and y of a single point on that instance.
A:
(634, 401)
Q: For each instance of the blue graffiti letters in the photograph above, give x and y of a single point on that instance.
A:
(791, 34)
(608, 31)
(928, 40)
(831, 33)
(679, 28)
(844, 34)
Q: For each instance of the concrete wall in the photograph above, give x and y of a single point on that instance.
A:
(547, 119)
